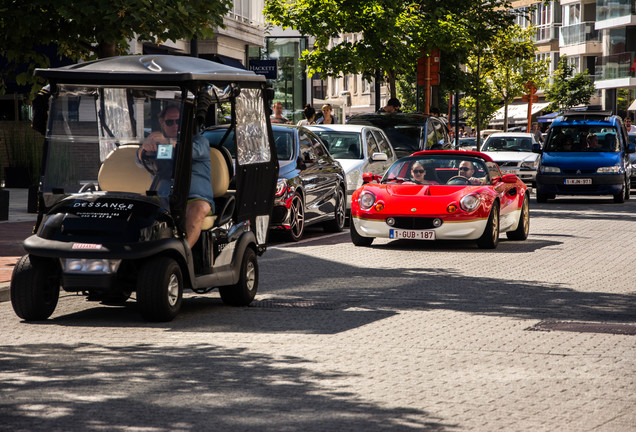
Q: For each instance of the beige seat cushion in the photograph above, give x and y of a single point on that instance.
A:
(120, 172)
(220, 178)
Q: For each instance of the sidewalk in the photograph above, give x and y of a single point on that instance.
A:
(12, 234)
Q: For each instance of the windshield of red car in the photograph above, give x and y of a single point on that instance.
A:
(437, 169)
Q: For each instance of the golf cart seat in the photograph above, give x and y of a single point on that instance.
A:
(120, 172)
(224, 202)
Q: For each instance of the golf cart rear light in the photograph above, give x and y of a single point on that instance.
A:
(379, 206)
(281, 187)
(390, 221)
(82, 265)
(452, 208)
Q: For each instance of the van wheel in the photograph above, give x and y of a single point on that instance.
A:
(490, 238)
(244, 291)
(356, 238)
(160, 289)
(340, 213)
(35, 288)
(627, 188)
(521, 233)
(620, 197)
(296, 218)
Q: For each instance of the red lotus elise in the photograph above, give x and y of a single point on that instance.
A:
(441, 195)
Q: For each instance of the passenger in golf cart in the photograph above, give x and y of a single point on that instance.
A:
(113, 214)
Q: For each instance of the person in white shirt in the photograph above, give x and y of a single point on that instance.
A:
(628, 124)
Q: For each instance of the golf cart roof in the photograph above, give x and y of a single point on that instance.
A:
(148, 69)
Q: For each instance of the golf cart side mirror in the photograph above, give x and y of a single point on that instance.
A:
(379, 157)
(536, 148)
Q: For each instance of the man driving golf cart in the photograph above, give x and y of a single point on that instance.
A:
(114, 220)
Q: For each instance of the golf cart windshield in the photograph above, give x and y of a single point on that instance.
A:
(89, 126)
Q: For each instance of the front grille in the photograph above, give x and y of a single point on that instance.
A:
(593, 171)
(413, 223)
(507, 164)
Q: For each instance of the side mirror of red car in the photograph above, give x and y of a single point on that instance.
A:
(368, 177)
(509, 178)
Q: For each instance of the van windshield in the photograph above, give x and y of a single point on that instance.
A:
(582, 138)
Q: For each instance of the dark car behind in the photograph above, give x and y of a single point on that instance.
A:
(408, 132)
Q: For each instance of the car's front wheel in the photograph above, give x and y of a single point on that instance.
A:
(35, 288)
(356, 238)
(490, 238)
(160, 289)
(296, 218)
(523, 228)
(620, 197)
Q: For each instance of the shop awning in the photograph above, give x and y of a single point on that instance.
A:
(632, 107)
(547, 118)
(517, 113)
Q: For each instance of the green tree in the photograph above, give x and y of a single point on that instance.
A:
(393, 32)
(96, 29)
(512, 64)
(569, 89)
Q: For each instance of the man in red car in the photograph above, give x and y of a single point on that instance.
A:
(466, 170)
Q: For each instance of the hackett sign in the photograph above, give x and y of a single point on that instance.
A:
(269, 68)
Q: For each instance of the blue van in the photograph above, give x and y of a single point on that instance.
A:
(585, 153)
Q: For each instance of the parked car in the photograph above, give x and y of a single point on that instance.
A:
(408, 133)
(359, 149)
(311, 185)
(476, 205)
(467, 143)
(568, 166)
(632, 158)
(512, 151)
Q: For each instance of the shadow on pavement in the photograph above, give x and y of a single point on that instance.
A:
(210, 388)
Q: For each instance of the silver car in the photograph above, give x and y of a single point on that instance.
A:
(512, 151)
(359, 149)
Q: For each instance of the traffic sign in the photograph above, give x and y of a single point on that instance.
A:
(527, 98)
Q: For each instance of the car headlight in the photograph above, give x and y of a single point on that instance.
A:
(366, 200)
(470, 202)
(530, 164)
(281, 187)
(550, 169)
(609, 170)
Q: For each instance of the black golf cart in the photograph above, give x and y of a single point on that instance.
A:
(111, 223)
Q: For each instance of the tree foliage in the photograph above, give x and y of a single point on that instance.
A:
(394, 33)
(96, 29)
(569, 89)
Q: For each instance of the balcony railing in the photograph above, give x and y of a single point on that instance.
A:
(547, 32)
(615, 66)
(577, 34)
(608, 9)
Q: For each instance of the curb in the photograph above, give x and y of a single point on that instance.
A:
(5, 295)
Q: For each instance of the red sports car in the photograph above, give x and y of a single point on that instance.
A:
(441, 195)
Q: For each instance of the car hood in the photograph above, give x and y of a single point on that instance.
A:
(349, 165)
(580, 160)
(402, 190)
(513, 156)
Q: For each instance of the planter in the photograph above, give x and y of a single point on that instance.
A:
(4, 205)
(16, 177)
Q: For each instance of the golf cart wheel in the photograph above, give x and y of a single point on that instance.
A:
(490, 238)
(356, 238)
(244, 291)
(35, 288)
(296, 218)
(340, 213)
(160, 289)
(521, 233)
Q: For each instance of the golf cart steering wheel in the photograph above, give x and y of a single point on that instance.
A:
(458, 180)
(149, 161)
(88, 187)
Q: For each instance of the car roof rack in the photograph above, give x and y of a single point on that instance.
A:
(587, 115)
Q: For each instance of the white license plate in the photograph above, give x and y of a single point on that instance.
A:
(412, 234)
(578, 181)
(508, 171)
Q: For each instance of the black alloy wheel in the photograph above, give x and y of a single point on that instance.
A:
(340, 213)
(296, 218)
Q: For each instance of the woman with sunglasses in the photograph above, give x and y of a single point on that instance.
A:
(418, 174)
